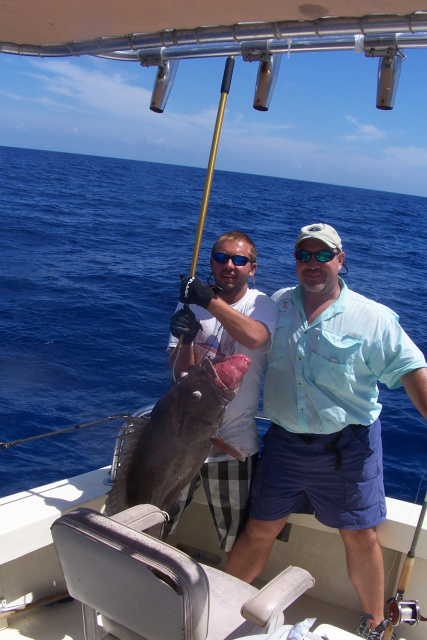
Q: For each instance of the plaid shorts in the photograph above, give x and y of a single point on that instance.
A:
(227, 486)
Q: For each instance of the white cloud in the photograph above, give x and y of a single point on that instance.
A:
(112, 101)
(103, 109)
(242, 126)
(11, 95)
(408, 156)
(363, 132)
(93, 89)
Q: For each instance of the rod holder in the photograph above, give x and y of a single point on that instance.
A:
(390, 61)
(163, 84)
(388, 80)
(268, 70)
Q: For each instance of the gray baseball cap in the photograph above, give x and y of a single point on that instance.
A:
(320, 231)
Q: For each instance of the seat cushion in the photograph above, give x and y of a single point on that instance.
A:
(226, 597)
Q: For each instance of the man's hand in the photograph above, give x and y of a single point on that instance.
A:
(193, 291)
(184, 323)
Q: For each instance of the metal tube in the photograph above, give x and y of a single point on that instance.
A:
(296, 45)
(268, 71)
(163, 84)
(203, 37)
(388, 80)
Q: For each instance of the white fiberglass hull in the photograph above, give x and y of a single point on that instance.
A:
(29, 569)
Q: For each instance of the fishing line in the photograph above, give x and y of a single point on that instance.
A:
(214, 338)
(7, 445)
(421, 483)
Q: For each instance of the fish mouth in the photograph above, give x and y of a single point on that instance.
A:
(229, 371)
(222, 388)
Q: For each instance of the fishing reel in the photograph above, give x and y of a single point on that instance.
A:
(408, 611)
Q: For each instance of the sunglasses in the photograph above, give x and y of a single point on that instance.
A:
(321, 256)
(238, 261)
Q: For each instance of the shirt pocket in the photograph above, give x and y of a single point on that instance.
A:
(332, 362)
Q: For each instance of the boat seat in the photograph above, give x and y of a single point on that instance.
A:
(141, 588)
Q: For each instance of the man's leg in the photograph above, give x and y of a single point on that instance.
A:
(227, 486)
(365, 568)
(277, 491)
(251, 550)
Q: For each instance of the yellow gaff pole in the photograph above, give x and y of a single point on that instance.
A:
(225, 88)
(406, 571)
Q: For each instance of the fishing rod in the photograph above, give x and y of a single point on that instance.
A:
(225, 89)
(408, 611)
(14, 443)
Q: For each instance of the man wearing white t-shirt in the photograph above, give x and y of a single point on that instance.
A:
(215, 322)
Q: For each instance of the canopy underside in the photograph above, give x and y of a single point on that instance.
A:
(76, 27)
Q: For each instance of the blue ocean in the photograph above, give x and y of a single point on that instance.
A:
(91, 253)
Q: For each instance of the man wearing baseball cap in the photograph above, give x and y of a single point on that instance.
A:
(330, 349)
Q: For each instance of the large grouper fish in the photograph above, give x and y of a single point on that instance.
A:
(161, 454)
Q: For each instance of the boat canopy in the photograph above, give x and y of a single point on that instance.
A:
(203, 28)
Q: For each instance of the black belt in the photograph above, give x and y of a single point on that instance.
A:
(332, 446)
(309, 438)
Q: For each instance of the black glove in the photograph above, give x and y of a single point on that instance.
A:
(193, 291)
(184, 323)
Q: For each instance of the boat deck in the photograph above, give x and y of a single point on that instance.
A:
(63, 620)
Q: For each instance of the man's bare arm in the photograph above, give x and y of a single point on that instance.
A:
(248, 332)
(415, 383)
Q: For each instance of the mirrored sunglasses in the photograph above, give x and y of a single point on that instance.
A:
(238, 261)
(321, 256)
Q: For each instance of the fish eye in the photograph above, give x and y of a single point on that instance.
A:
(196, 396)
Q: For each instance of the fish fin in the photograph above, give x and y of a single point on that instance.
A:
(223, 446)
(117, 498)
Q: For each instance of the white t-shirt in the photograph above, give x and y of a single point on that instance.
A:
(238, 427)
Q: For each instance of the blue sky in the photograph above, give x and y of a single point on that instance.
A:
(322, 124)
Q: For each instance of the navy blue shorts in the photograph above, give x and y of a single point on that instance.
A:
(338, 478)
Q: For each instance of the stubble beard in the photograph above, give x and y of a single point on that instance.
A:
(314, 288)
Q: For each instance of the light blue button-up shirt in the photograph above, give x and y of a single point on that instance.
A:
(323, 376)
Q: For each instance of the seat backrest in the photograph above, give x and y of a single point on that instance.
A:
(135, 581)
